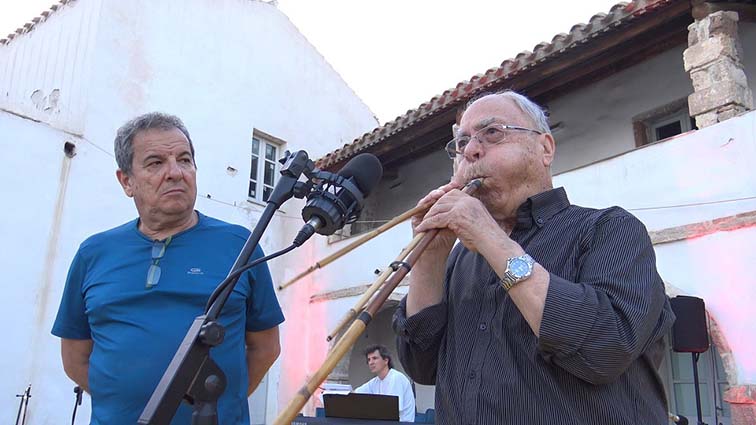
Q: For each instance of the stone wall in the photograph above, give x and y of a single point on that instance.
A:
(714, 60)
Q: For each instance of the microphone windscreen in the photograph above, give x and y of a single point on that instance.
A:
(366, 171)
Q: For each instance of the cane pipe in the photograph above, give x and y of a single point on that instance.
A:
(352, 313)
(354, 331)
(356, 243)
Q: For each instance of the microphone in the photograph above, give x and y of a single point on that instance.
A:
(338, 198)
(678, 419)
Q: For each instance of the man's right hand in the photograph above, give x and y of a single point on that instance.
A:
(444, 240)
(427, 278)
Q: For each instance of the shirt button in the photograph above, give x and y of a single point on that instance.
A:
(482, 326)
(472, 375)
(539, 220)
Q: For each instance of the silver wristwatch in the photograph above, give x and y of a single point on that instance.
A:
(518, 269)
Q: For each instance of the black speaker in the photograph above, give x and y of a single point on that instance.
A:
(689, 333)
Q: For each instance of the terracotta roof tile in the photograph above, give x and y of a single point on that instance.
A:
(29, 26)
(580, 33)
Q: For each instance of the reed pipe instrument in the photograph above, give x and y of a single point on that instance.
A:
(353, 332)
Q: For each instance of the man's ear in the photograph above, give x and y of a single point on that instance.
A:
(549, 148)
(126, 183)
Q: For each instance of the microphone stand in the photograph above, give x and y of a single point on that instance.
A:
(23, 406)
(192, 375)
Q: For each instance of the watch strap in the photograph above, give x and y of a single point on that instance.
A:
(509, 280)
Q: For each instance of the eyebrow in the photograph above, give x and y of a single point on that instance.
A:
(148, 158)
(161, 157)
(484, 123)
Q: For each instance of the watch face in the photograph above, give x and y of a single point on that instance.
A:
(519, 267)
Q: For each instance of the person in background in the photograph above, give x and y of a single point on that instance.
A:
(388, 381)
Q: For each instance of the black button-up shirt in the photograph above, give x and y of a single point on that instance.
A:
(601, 336)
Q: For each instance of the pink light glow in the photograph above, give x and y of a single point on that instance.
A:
(303, 339)
(718, 269)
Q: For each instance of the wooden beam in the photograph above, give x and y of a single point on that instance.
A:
(428, 142)
(597, 48)
(622, 57)
(417, 137)
(746, 10)
(703, 228)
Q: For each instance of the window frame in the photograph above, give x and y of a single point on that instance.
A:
(712, 381)
(681, 116)
(261, 160)
(645, 124)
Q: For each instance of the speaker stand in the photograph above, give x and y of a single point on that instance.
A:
(695, 385)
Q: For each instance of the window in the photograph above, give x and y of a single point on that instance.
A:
(662, 123)
(263, 173)
(677, 372)
(670, 125)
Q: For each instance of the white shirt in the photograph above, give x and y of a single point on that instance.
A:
(395, 383)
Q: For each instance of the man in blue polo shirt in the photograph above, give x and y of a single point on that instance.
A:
(133, 291)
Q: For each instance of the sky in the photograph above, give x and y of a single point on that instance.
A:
(397, 54)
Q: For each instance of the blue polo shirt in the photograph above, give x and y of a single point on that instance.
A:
(136, 330)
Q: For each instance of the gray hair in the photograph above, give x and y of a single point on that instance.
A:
(527, 106)
(123, 146)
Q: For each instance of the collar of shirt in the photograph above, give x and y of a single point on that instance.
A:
(538, 209)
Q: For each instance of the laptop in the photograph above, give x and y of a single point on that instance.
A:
(361, 406)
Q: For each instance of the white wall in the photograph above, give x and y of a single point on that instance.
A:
(44, 74)
(226, 67)
(713, 164)
(597, 120)
(57, 201)
(40, 186)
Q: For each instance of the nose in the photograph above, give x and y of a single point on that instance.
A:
(174, 171)
(474, 150)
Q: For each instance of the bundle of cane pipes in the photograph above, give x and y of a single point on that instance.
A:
(384, 286)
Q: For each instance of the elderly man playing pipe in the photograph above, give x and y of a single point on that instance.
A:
(545, 312)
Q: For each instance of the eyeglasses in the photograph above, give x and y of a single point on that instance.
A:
(492, 134)
(158, 251)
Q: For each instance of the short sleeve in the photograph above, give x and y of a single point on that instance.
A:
(71, 321)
